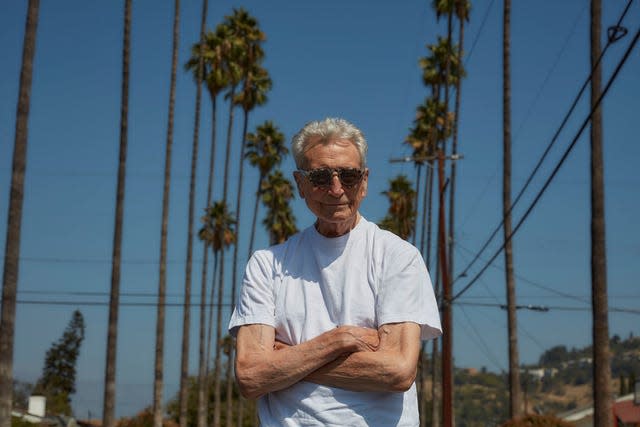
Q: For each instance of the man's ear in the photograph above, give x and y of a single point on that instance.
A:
(365, 183)
(298, 178)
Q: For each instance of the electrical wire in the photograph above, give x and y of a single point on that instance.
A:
(477, 337)
(121, 304)
(611, 39)
(560, 163)
(546, 288)
(551, 307)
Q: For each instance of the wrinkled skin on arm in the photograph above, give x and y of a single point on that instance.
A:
(392, 367)
(264, 365)
(349, 357)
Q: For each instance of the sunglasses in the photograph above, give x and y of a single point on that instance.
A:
(322, 177)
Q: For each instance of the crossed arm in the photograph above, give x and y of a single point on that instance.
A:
(349, 357)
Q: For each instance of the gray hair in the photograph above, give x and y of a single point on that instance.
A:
(327, 129)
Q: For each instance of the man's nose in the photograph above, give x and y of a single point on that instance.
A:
(336, 185)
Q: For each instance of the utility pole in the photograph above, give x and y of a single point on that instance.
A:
(447, 318)
(445, 306)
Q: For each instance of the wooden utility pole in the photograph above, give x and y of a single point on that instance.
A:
(515, 407)
(602, 416)
(447, 336)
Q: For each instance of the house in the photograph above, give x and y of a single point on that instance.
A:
(626, 413)
(36, 414)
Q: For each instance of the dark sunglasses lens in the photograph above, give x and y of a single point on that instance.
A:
(321, 177)
(350, 177)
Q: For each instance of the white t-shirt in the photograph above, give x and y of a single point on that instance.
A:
(311, 284)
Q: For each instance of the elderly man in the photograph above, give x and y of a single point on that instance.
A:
(329, 323)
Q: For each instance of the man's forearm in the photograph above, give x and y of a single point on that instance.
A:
(367, 371)
(392, 367)
(261, 370)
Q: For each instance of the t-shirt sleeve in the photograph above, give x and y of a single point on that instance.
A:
(406, 294)
(255, 302)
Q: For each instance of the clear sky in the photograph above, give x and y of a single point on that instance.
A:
(355, 59)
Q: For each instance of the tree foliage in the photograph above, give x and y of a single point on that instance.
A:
(58, 380)
(401, 215)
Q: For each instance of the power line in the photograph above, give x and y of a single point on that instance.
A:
(482, 24)
(560, 163)
(611, 39)
(551, 307)
(546, 288)
(476, 336)
(122, 304)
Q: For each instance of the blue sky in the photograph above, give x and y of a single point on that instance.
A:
(355, 59)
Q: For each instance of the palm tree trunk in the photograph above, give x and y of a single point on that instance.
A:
(183, 393)
(112, 334)
(416, 204)
(202, 367)
(14, 220)
(218, 364)
(255, 217)
(217, 409)
(454, 153)
(235, 265)
(436, 395)
(214, 280)
(228, 150)
(158, 383)
(601, 357)
(514, 374)
(429, 188)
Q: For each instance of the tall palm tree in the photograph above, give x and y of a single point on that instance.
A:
(265, 150)
(431, 127)
(256, 84)
(14, 220)
(216, 80)
(401, 215)
(186, 311)
(277, 192)
(461, 10)
(218, 230)
(112, 334)
(514, 373)
(158, 383)
(231, 50)
(440, 69)
(601, 367)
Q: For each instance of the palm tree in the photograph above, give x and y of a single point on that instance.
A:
(461, 9)
(162, 282)
(401, 216)
(601, 367)
(218, 231)
(233, 51)
(514, 374)
(215, 80)
(256, 84)
(440, 68)
(265, 150)
(14, 220)
(112, 334)
(277, 192)
(186, 311)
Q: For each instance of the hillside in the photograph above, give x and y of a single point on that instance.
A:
(561, 381)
